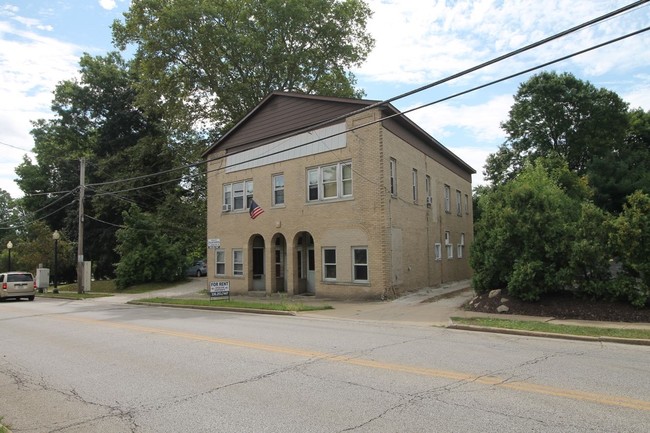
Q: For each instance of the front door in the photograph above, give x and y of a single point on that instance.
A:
(311, 271)
(258, 269)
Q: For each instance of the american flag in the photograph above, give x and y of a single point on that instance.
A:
(255, 210)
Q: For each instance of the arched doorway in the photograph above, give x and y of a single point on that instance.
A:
(256, 247)
(305, 264)
(279, 263)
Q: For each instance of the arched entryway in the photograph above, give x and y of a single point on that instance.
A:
(305, 263)
(256, 257)
(279, 280)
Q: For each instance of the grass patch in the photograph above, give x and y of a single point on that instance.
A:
(274, 306)
(3, 429)
(553, 328)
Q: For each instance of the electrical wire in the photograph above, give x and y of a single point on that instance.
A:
(402, 113)
(607, 16)
(37, 219)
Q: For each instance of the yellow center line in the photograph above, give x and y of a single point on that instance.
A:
(604, 399)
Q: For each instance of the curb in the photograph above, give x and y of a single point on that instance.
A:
(217, 308)
(634, 341)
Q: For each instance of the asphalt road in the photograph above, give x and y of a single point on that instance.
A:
(100, 366)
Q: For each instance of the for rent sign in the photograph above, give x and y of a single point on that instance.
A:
(219, 289)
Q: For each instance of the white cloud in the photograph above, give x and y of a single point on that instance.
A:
(32, 65)
(479, 122)
(475, 157)
(418, 42)
(108, 4)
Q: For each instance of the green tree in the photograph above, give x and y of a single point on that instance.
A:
(631, 242)
(626, 168)
(131, 159)
(558, 115)
(206, 63)
(522, 239)
(146, 253)
(590, 254)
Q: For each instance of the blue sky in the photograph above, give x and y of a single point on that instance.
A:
(417, 42)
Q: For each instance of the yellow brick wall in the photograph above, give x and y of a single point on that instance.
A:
(398, 233)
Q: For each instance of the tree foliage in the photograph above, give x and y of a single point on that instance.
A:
(626, 167)
(558, 115)
(146, 253)
(631, 243)
(130, 159)
(521, 236)
(207, 63)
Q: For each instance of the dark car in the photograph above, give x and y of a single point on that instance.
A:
(17, 285)
(198, 269)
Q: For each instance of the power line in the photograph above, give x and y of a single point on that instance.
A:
(401, 113)
(37, 219)
(606, 16)
(493, 61)
(16, 147)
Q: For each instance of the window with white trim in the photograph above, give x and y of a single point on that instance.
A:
(459, 203)
(329, 182)
(393, 177)
(438, 250)
(449, 246)
(237, 262)
(220, 263)
(447, 199)
(237, 196)
(427, 185)
(415, 185)
(466, 204)
(360, 264)
(329, 264)
(278, 189)
(461, 246)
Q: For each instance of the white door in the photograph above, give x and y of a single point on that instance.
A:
(311, 271)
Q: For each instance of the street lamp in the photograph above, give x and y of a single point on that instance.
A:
(9, 247)
(56, 236)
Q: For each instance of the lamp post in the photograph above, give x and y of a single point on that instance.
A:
(56, 236)
(9, 247)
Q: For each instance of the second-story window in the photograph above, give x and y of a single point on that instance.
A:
(393, 177)
(237, 196)
(415, 185)
(329, 182)
(459, 204)
(278, 189)
(447, 199)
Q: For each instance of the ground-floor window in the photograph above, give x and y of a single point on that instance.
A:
(461, 246)
(237, 262)
(220, 263)
(449, 246)
(360, 264)
(329, 263)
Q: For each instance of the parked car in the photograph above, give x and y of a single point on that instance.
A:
(17, 285)
(198, 269)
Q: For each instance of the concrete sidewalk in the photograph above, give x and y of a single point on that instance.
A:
(426, 307)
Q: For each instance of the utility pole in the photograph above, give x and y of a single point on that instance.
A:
(80, 240)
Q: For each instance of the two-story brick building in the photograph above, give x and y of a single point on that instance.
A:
(358, 201)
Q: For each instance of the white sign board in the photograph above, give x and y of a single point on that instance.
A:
(219, 289)
(214, 243)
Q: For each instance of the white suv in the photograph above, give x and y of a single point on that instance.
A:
(17, 285)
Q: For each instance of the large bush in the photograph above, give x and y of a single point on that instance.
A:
(146, 253)
(630, 242)
(523, 237)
